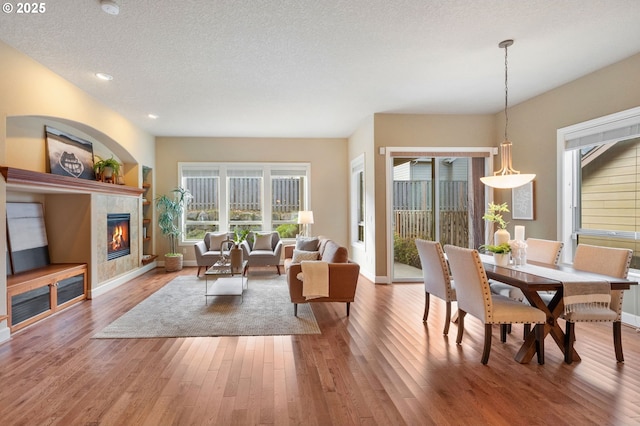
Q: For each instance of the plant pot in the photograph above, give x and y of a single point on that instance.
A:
(501, 236)
(108, 172)
(173, 262)
(501, 259)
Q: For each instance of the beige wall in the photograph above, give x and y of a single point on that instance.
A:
(533, 129)
(33, 96)
(405, 130)
(329, 173)
(362, 143)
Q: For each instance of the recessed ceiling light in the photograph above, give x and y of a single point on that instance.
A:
(110, 7)
(152, 116)
(104, 76)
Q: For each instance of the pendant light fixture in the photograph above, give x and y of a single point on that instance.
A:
(506, 177)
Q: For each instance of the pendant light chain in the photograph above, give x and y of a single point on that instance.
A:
(506, 92)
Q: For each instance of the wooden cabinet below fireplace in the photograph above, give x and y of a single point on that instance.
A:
(38, 293)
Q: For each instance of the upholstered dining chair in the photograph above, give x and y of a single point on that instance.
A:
(474, 297)
(610, 261)
(437, 280)
(538, 250)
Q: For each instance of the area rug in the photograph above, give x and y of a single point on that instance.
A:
(179, 309)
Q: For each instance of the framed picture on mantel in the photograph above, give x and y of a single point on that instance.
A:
(69, 155)
(522, 202)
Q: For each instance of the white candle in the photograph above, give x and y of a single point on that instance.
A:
(519, 233)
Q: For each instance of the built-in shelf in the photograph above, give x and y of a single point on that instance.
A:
(47, 182)
(149, 258)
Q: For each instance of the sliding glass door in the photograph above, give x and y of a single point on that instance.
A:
(432, 199)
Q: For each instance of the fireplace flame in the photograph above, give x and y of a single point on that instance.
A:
(117, 242)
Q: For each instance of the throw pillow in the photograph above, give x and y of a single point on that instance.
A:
(215, 240)
(300, 255)
(307, 243)
(262, 242)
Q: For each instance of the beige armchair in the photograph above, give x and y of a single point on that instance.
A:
(437, 281)
(474, 297)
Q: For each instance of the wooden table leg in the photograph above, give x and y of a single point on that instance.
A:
(553, 311)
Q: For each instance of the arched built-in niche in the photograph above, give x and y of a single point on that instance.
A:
(26, 143)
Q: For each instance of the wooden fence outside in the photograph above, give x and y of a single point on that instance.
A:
(454, 225)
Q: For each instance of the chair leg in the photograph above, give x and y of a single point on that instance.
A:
(278, 267)
(487, 344)
(504, 328)
(539, 329)
(447, 318)
(348, 306)
(198, 274)
(568, 342)
(508, 328)
(617, 340)
(461, 315)
(295, 309)
(426, 307)
(527, 330)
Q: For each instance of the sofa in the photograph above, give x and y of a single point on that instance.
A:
(343, 273)
(208, 250)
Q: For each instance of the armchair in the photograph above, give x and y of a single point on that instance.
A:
(208, 250)
(262, 249)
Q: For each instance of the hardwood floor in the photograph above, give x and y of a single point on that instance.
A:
(381, 365)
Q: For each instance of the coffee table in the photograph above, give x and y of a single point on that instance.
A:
(226, 282)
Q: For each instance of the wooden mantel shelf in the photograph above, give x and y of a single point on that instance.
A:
(47, 182)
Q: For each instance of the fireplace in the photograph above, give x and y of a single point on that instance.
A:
(118, 235)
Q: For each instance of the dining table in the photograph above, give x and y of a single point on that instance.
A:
(535, 277)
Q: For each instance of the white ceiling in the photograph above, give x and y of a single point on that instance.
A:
(317, 68)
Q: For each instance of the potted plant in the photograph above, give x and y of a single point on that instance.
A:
(500, 252)
(494, 215)
(105, 169)
(170, 209)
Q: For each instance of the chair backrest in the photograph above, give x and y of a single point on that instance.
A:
(472, 286)
(610, 261)
(435, 270)
(275, 238)
(544, 251)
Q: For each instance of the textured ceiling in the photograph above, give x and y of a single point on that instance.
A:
(317, 68)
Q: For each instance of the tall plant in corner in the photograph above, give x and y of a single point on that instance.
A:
(170, 208)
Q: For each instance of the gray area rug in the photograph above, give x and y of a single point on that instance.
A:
(179, 310)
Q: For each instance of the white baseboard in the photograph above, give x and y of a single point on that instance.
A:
(5, 334)
(118, 281)
(632, 320)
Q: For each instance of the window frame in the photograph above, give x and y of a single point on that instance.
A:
(225, 170)
(616, 127)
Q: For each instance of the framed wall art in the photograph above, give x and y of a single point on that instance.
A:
(522, 202)
(69, 155)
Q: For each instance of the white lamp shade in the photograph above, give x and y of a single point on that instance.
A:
(305, 217)
(507, 181)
